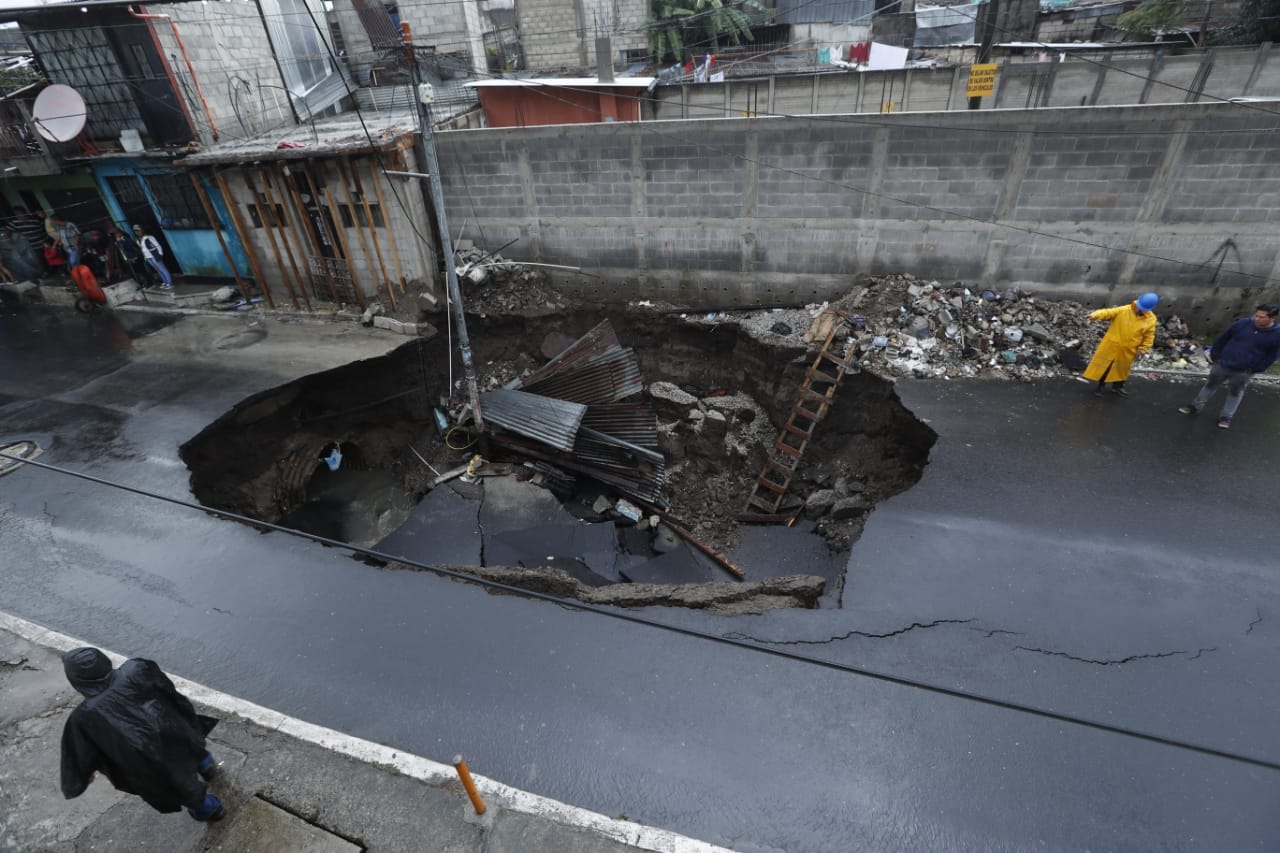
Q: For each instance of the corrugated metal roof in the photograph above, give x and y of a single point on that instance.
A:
(633, 422)
(553, 422)
(613, 375)
(594, 343)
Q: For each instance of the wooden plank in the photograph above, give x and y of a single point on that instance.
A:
(386, 217)
(364, 240)
(368, 218)
(267, 216)
(216, 225)
(286, 221)
(243, 237)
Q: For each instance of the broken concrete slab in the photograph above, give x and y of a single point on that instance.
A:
(442, 528)
(850, 507)
(728, 598)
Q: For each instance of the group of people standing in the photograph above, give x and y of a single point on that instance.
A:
(111, 256)
(1250, 345)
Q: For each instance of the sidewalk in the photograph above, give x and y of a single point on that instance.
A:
(287, 786)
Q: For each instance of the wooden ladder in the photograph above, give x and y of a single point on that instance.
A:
(817, 391)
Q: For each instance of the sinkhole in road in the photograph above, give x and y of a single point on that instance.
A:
(720, 394)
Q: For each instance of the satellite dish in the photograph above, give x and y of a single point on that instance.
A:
(59, 113)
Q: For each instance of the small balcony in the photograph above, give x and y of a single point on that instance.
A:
(21, 149)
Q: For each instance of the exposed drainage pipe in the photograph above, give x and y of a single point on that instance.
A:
(177, 90)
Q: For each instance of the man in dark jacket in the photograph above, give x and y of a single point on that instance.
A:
(136, 728)
(1248, 346)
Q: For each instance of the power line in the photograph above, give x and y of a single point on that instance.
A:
(721, 639)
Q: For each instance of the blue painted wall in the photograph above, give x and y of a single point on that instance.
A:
(197, 251)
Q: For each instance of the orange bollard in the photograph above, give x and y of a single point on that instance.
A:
(465, 775)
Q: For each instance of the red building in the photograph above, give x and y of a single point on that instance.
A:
(560, 100)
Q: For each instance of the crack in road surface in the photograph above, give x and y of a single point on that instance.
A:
(1249, 629)
(913, 626)
(1118, 661)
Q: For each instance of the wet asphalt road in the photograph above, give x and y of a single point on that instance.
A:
(1106, 558)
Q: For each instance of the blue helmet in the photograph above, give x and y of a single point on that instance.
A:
(1147, 301)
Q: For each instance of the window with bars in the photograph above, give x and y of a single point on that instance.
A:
(178, 204)
(256, 211)
(348, 221)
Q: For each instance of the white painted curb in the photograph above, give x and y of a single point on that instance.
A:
(416, 767)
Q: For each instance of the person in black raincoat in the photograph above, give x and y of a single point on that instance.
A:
(140, 732)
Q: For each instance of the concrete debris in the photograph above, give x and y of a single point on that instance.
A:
(374, 309)
(494, 285)
(400, 327)
(901, 325)
(725, 598)
(628, 510)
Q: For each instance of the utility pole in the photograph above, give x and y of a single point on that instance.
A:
(988, 24)
(426, 152)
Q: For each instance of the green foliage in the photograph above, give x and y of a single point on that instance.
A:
(700, 24)
(13, 79)
(1151, 18)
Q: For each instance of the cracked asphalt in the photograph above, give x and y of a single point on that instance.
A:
(1105, 558)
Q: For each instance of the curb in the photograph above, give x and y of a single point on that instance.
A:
(404, 763)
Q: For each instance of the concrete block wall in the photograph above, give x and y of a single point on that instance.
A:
(553, 34)
(1233, 72)
(1091, 203)
(401, 216)
(229, 49)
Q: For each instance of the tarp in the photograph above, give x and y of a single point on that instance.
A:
(939, 25)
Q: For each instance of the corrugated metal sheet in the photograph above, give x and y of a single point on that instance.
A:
(591, 345)
(824, 11)
(613, 442)
(553, 422)
(633, 422)
(614, 375)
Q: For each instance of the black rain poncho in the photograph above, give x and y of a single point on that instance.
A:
(140, 732)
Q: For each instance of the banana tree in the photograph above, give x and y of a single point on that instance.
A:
(697, 23)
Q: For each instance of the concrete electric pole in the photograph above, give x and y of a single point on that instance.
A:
(434, 197)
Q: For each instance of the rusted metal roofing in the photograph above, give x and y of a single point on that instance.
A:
(612, 375)
(594, 343)
(553, 422)
(572, 404)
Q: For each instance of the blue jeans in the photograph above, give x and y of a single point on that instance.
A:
(159, 267)
(73, 256)
(1236, 380)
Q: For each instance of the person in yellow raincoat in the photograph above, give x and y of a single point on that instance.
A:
(1131, 334)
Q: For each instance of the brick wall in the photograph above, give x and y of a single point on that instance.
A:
(1090, 203)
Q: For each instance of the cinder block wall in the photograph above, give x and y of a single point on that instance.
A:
(1231, 73)
(229, 49)
(552, 33)
(1092, 203)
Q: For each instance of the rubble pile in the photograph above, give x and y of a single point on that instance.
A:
(714, 443)
(905, 326)
(493, 285)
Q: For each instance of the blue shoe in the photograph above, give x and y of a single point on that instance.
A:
(209, 810)
(207, 768)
